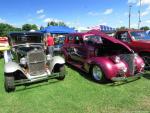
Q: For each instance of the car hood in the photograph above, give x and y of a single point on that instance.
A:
(110, 38)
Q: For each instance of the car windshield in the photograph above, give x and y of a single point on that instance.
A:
(93, 38)
(21, 39)
(140, 35)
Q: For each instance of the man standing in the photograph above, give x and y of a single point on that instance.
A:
(50, 44)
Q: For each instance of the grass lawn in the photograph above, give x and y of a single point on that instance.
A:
(77, 94)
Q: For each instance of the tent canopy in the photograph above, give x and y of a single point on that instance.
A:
(58, 30)
(104, 28)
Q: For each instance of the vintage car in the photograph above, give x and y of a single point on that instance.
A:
(27, 62)
(3, 45)
(137, 40)
(103, 57)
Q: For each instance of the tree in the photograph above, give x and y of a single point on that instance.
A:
(53, 23)
(41, 27)
(6, 28)
(121, 28)
(28, 27)
(145, 28)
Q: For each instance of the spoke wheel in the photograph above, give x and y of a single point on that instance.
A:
(98, 74)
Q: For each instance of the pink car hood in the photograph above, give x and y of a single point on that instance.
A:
(112, 39)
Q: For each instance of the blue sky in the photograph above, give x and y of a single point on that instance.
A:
(77, 13)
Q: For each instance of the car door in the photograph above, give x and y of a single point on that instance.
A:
(78, 49)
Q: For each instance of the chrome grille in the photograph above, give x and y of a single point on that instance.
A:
(129, 59)
(36, 62)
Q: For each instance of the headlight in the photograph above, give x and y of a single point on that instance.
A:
(142, 65)
(135, 55)
(23, 61)
(115, 59)
(49, 57)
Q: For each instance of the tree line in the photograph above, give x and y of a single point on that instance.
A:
(7, 28)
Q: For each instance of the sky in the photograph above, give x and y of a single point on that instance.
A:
(75, 13)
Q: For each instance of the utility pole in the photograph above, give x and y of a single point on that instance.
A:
(139, 16)
(129, 15)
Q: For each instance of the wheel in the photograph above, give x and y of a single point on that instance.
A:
(9, 83)
(146, 58)
(98, 74)
(61, 73)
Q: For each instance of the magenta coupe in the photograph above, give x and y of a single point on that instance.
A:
(102, 56)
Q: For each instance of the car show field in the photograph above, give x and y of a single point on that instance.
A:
(78, 93)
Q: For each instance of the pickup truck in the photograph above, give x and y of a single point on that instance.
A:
(137, 40)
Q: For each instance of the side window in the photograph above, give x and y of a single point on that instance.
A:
(93, 39)
(78, 40)
(70, 39)
(124, 37)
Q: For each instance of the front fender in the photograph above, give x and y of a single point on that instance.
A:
(109, 68)
(56, 60)
(11, 67)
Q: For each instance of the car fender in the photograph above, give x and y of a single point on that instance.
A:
(11, 67)
(109, 68)
(56, 60)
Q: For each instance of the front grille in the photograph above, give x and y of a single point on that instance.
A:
(129, 59)
(36, 62)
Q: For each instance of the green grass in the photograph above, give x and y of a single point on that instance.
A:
(77, 94)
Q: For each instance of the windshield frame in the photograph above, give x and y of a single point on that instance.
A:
(17, 39)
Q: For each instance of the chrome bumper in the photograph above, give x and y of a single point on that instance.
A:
(131, 78)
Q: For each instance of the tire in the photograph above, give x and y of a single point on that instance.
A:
(9, 83)
(61, 73)
(97, 74)
(146, 58)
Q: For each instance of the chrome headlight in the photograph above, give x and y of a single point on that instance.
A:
(115, 59)
(49, 57)
(23, 61)
(135, 55)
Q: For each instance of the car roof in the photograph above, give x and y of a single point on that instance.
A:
(26, 33)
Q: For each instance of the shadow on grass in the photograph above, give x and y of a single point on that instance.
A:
(122, 82)
(87, 75)
(36, 84)
(146, 75)
(107, 82)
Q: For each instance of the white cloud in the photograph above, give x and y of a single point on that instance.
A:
(40, 11)
(2, 20)
(143, 2)
(108, 11)
(147, 21)
(42, 16)
(137, 2)
(93, 13)
(51, 19)
(145, 13)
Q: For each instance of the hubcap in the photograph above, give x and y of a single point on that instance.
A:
(97, 73)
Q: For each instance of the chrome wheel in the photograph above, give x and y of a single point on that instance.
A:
(97, 73)
(147, 61)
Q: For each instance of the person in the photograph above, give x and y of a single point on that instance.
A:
(50, 44)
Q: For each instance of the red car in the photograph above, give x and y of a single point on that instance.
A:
(137, 40)
(103, 57)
